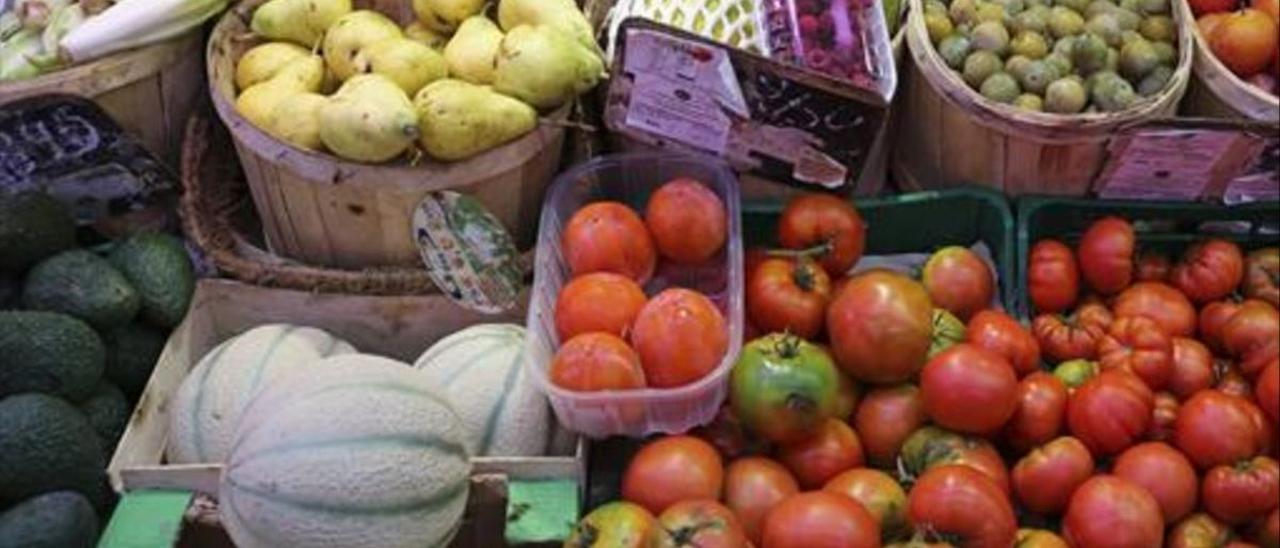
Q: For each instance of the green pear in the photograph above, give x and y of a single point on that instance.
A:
(409, 64)
(352, 33)
(418, 32)
(302, 22)
(458, 120)
(472, 51)
(544, 67)
(263, 62)
(369, 119)
(297, 120)
(561, 14)
(446, 15)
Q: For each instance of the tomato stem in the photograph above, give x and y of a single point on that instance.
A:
(803, 276)
(820, 250)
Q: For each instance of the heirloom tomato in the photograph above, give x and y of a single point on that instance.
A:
(673, 469)
(702, 524)
(1229, 380)
(948, 331)
(1106, 254)
(789, 295)
(1053, 279)
(1163, 417)
(729, 436)
(752, 487)
(1000, 333)
(958, 281)
(1062, 339)
(1136, 344)
(1267, 531)
(609, 237)
(884, 420)
(847, 393)
(961, 505)
(1160, 303)
(1041, 410)
(1266, 432)
(618, 525)
(1153, 266)
(1209, 270)
(593, 362)
(784, 388)
(1110, 412)
(878, 493)
(1244, 491)
(1163, 472)
(931, 447)
(1213, 317)
(1200, 530)
(1214, 429)
(1255, 325)
(1111, 511)
(819, 519)
(1045, 478)
(881, 326)
(813, 220)
(599, 301)
(1192, 368)
(687, 220)
(816, 459)
(1267, 391)
(1258, 358)
(680, 336)
(969, 389)
(1262, 276)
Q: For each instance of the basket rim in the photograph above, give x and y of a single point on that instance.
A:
(91, 78)
(1219, 80)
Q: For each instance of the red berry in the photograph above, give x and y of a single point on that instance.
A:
(817, 59)
(808, 25)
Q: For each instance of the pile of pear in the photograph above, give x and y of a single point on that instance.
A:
(453, 84)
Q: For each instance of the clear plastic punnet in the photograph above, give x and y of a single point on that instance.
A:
(630, 178)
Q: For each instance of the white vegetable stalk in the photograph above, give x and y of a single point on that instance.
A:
(63, 21)
(133, 23)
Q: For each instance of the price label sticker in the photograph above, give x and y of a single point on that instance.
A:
(468, 253)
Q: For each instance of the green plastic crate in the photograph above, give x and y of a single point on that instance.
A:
(920, 222)
(1169, 227)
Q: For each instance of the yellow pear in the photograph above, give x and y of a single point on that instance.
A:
(297, 120)
(459, 120)
(302, 22)
(305, 74)
(263, 62)
(418, 32)
(369, 119)
(409, 64)
(561, 14)
(352, 33)
(258, 102)
(472, 51)
(544, 67)
(446, 15)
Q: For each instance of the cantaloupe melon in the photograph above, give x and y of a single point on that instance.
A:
(481, 369)
(360, 452)
(210, 401)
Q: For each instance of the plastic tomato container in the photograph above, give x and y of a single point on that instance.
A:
(844, 39)
(630, 178)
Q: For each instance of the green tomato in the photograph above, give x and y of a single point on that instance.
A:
(1076, 372)
(783, 387)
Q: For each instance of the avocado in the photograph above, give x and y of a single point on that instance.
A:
(49, 353)
(61, 519)
(33, 226)
(47, 445)
(83, 285)
(132, 352)
(159, 268)
(108, 414)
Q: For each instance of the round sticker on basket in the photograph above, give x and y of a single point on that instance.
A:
(467, 252)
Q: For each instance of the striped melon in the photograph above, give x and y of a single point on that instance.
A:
(209, 402)
(360, 452)
(481, 370)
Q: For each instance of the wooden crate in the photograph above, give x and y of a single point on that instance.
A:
(149, 91)
(397, 327)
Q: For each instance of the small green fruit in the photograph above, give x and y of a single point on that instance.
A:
(991, 36)
(1060, 62)
(1156, 81)
(1034, 19)
(1138, 59)
(1166, 53)
(1065, 96)
(939, 26)
(1158, 28)
(1089, 53)
(1037, 76)
(979, 66)
(1064, 22)
(1030, 44)
(1105, 26)
(954, 49)
(1029, 101)
(1001, 87)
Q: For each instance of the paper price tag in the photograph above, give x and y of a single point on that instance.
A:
(468, 253)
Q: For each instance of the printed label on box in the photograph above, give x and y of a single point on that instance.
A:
(468, 253)
(684, 114)
(1261, 181)
(1167, 164)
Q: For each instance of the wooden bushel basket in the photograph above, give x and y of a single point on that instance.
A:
(1216, 92)
(322, 210)
(150, 91)
(950, 135)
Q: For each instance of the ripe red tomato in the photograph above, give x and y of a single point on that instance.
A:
(1192, 368)
(593, 362)
(1042, 408)
(1267, 390)
(1064, 339)
(881, 326)
(618, 525)
(1106, 255)
(1199, 531)
(931, 447)
(1153, 266)
(608, 237)
(1209, 270)
(1110, 411)
(687, 221)
(1163, 472)
(959, 281)
(1254, 325)
(1262, 276)
(599, 301)
(1213, 317)
(1053, 279)
(1163, 417)
(1245, 491)
(752, 487)
(680, 336)
(1039, 538)
(847, 394)
(673, 469)
(1137, 344)
(885, 418)
(958, 502)
(878, 493)
(1267, 531)
(1161, 303)
(1045, 478)
(820, 520)
(824, 220)
(702, 524)
(1257, 359)
(1000, 333)
(969, 389)
(832, 450)
(1111, 511)
(1214, 429)
(729, 436)
(1262, 425)
(788, 295)
(1229, 380)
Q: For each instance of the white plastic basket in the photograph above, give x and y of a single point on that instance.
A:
(736, 23)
